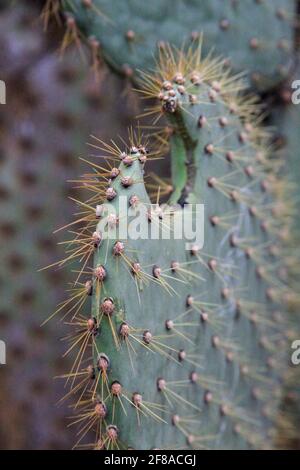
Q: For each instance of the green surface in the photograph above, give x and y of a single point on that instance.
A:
(231, 336)
(257, 37)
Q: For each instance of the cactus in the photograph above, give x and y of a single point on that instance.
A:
(188, 345)
(285, 117)
(128, 33)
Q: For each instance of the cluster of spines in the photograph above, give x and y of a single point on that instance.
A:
(93, 410)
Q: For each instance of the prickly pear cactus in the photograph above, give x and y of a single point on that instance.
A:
(188, 345)
(129, 32)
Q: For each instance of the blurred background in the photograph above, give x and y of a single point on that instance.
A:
(52, 107)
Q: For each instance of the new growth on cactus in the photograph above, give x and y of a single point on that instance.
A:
(176, 348)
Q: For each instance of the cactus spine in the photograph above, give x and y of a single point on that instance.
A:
(188, 346)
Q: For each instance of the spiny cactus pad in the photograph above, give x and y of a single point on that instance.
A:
(256, 35)
(188, 345)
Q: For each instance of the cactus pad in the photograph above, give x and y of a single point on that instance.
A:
(188, 345)
(129, 32)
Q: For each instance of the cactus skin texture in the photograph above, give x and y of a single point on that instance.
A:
(130, 31)
(188, 346)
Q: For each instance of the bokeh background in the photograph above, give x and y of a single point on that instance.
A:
(53, 106)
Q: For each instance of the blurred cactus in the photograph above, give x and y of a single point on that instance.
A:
(285, 117)
(129, 34)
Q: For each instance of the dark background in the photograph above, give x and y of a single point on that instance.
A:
(53, 105)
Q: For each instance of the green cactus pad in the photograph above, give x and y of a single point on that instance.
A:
(188, 344)
(256, 36)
